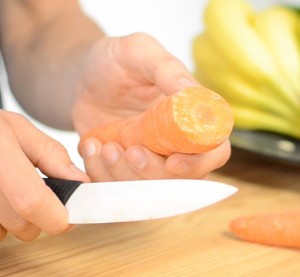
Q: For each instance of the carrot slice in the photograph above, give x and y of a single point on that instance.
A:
(276, 229)
(193, 120)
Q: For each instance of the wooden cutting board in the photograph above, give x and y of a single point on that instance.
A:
(195, 244)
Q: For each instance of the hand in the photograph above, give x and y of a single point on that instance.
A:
(27, 205)
(122, 77)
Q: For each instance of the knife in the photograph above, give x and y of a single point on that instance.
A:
(124, 201)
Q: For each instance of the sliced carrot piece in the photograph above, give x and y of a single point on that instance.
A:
(193, 120)
(276, 229)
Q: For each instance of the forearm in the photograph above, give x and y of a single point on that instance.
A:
(43, 43)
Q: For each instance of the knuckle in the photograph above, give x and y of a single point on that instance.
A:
(29, 204)
(51, 148)
(8, 118)
(18, 227)
(51, 145)
(17, 117)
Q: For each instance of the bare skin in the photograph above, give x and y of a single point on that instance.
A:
(68, 74)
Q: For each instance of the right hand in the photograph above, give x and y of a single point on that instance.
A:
(27, 205)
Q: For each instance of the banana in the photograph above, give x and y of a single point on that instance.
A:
(229, 24)
(247, 118)
(217, 73)
(278, 26)
(253, 60)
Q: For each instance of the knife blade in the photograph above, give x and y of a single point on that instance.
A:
(124, 201)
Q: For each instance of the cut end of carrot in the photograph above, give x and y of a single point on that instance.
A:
(194, 120)
(203, 115)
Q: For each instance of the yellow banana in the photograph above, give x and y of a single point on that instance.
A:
(246, 118)
(229, 24)
(217, 73)
(253, 63)
(277, 27)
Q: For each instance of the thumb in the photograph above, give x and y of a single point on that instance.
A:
(158, 65)
(170, 74)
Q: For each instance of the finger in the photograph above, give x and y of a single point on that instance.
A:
(106, 162)
(198, 165)
(15, 224)
(22, 186)
(155, 63)
(93, 161)
(114, 157)
(3, 232)
(48, 155)
(18, 226)
(147, 164)
(170, 75)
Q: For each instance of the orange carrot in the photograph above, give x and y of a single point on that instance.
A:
(193, 120)
(276, 229)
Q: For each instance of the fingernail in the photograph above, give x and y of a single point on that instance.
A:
(111, 154)
(90, 148)
(137, 158)
(181, 169)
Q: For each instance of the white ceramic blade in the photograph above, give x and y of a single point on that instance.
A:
(142, 200)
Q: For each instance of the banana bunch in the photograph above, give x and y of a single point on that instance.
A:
(252, 58)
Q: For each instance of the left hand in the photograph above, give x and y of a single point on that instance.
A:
(122, 77)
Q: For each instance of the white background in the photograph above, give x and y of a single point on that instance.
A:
(173, 22)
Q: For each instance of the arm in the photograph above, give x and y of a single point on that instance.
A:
(27, 206)
(78, 77)
(43, 44)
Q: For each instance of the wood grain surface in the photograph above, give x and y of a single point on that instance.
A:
(195, 244)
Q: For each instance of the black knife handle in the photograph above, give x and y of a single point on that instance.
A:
(62, 188)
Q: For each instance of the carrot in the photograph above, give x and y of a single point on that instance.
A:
(276, 229)
(193, 120)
